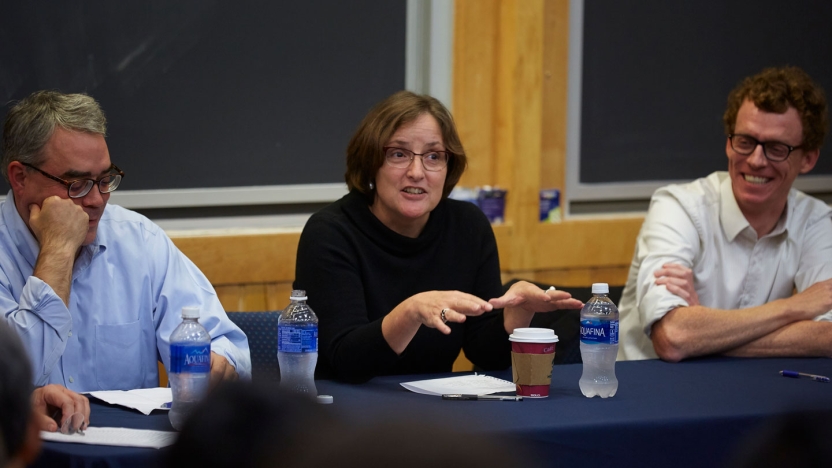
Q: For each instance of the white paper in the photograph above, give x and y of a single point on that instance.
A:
(142, 399)
(119, 436)
(476, 384)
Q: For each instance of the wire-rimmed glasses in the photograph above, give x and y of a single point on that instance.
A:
(432, 160)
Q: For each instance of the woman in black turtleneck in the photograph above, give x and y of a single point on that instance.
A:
(400, 275)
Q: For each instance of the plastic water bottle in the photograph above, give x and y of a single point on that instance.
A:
(599, 344)
(297, 346)
(190, 366)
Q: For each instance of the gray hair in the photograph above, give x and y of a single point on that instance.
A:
(32, 121)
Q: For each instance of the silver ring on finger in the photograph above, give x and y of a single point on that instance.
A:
(442, 316)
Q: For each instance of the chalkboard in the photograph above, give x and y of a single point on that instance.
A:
(656, 76)
(212, 93)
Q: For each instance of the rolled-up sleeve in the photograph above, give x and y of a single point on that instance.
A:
(42, 321)
(669, 235)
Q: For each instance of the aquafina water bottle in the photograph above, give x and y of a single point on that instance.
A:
(599, 344)
(190, 366)
(297, 346)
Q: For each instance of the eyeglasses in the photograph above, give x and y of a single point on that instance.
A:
(432, 161)
(81, 187)
(773, 150)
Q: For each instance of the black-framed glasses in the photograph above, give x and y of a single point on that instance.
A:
(432, 160)
(772, 150)
(81, 187)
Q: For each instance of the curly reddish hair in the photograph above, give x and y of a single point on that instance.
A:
(777, 89)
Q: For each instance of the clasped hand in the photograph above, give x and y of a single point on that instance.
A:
(678, 280)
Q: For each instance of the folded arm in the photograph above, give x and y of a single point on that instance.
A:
(778, 328)
(799, 339)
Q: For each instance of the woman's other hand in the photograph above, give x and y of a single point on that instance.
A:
(524, 299)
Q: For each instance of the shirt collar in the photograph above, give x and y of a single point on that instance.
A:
(783, 223)
(730, 216)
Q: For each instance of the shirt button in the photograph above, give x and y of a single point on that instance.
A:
(71, 380)
(70, 333)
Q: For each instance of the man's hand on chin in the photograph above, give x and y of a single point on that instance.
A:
(59, 222)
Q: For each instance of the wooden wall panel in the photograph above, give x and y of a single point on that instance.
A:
(277, 295)
(529, 41)
(555, 78)
(243, 259)
(474, 85)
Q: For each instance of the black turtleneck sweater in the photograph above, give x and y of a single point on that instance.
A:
(355, 270)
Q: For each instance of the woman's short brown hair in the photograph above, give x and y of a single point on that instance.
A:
(365, 155)
(777, 89)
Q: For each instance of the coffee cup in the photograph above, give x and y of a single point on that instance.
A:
(532, 356)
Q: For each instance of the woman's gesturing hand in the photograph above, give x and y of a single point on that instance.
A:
(523, 299)
(432, 309)
(435, 308)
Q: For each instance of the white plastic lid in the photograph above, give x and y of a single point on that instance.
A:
(533, 335)
(298, 295)
(325, 399)
(190, 312)
(600, 288)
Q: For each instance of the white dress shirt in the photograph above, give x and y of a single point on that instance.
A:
(700, 226)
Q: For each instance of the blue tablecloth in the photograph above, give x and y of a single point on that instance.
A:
(689, 414)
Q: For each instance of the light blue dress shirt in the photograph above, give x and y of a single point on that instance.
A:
(128, 290)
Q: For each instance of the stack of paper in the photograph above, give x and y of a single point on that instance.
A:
(115, 436)
(476, 384)
(142, 399)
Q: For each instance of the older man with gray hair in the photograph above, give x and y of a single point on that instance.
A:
(93, 290)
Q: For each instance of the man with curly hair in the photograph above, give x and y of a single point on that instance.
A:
(739, 263)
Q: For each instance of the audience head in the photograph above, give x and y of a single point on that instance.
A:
(244, 425)
(365, 155)
(415, 443)
(249, 425)
(797, 440)
(19, 441)
(774, 90)
(32, 121)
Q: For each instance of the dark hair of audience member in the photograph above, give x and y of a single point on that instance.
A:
(797, 440)
(244, 425)
(15, 393)
(414, 443)
(240, 424)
